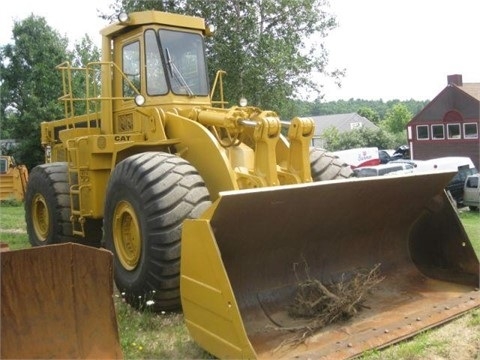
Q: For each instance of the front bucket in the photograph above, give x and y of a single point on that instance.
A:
(56, 302)
(238, 275)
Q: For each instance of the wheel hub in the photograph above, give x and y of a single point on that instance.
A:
(40, 217)
(127, 235)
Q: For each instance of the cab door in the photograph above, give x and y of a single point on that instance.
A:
(127, 82)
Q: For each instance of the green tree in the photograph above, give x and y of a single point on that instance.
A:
(31, 86)
(269, 48)
(84, 53)
(369, 113)
(397, 118)
(379, 107)
(129, 6)
(263, 46)
(358, 138)
(331, 138)
(30, 83)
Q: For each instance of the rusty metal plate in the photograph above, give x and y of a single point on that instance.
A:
(56, 302)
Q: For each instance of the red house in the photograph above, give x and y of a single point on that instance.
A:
(449, 124)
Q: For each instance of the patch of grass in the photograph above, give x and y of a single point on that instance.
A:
(14, 240)
(471, 223)
(474, 319)
(458, 339)
(147, 335)
(10, 202)
(12, 217)
(12, 225)
(415, 348)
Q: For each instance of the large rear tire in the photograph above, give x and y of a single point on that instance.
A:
(149, 195)
(47, 209)
(47, 205)
(327, 166)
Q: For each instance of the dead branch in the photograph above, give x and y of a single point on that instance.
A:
(325, 304)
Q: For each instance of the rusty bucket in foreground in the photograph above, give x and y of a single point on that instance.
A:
(238, 277)
(56, 302)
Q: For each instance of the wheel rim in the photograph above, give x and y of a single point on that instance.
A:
(40, 217)
(126, 235)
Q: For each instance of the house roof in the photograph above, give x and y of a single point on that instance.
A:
(472, 89)
(342, 122)
(464, 98)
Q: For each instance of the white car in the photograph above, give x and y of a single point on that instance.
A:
(471, 192)
(384, 169)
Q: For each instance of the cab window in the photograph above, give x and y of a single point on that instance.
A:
(3, 166)
(131, 69)
(155, 74)
(185, 62)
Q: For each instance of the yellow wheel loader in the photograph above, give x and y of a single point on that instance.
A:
(213, 209)
(13, 179)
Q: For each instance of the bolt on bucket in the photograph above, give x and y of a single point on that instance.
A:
(244, 262)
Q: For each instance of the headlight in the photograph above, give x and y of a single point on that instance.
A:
(139, 100)
(123, 17)
(209, 30)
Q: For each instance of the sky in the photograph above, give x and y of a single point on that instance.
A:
(391, 49)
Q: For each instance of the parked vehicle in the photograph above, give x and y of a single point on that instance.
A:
(385, 156)
(13, 179)
(471, 192)
(359, 157)
(416, 164)
(464, 167)
(383, 169)
(402, 152)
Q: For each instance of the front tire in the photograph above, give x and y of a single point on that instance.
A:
(149, 195)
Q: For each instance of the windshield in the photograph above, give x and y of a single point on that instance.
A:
(184, 63)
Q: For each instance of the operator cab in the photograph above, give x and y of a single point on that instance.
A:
(160, 56)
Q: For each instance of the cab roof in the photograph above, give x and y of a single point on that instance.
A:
(154, 17)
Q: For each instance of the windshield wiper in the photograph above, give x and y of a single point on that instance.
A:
(176, 74)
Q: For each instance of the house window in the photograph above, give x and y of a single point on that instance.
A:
(356, 125)
(422, 132)
(453, 131)
(470, 130)
(438, 132)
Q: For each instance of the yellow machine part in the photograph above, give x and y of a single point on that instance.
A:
(57, 302)
(238, 274)
(13, 183)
